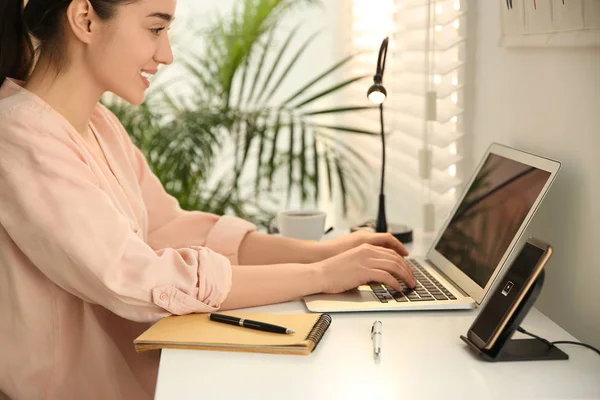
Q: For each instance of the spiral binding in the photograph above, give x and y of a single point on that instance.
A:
(319, 329)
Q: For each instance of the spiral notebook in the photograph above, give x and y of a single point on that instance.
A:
(198, 332)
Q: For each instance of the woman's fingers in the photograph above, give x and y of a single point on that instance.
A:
(392, 268)
(392, 255)
(387, 240)
(381, 276)
(387, 254)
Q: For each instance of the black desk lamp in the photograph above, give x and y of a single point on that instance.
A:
(377, 94)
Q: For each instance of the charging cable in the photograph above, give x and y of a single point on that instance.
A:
(551, 344)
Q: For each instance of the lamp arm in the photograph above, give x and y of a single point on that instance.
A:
(382, 150)
(380, 69)
(381, 60)
(381, 223)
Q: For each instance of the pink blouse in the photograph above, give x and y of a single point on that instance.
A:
(92, 255)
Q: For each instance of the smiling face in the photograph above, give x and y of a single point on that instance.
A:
(129, 48)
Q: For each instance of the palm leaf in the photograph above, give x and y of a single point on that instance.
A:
(302, 156)
(271, 161)
(259, 68)
(347, 148)
(357, 180)
(342, 180)
(259, 164)
(243, 84)
(316, 160)
(328, 162)
(290, 160)
(338, 110)
(344, 129)
(330, 90)
(291, 64)
(325, 74)
(275, 64)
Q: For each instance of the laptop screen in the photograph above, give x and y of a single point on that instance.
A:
(489, 216)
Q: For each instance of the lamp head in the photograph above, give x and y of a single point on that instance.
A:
(377, 93)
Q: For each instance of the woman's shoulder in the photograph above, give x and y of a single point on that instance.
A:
(20, 108)
(21, 111)
(29, 127)
(16, 103)
(21, 118)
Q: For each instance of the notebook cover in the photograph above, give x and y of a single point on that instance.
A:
(197, 331)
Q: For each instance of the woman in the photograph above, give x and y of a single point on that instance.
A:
(93, 248)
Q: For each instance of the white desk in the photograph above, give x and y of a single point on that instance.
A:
(422, 358)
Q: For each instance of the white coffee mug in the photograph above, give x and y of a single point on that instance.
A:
(301, 224)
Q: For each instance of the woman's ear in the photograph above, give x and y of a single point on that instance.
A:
(82, 19)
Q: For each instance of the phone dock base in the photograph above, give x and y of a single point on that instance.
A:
(521, 350)
(508, 349)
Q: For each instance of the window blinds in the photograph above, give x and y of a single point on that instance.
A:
(424, 78)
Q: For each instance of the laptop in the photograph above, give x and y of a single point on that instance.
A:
(469, 253)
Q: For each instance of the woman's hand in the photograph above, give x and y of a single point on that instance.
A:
(363, 264)
(344, 243)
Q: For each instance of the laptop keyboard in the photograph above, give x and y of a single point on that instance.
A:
(427, 289)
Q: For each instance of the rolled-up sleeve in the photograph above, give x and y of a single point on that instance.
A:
(53, 209)
(226, 236)
(214, 281)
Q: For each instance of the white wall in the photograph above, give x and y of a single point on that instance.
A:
(547, 101)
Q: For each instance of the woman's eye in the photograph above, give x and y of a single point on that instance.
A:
(156, 31)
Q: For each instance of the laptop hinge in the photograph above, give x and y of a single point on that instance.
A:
(446, 277)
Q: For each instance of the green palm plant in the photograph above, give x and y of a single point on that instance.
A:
(271, 136)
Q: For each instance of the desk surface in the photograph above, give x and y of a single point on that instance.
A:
(422, 357)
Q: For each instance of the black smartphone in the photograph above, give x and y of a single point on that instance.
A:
(522, 273)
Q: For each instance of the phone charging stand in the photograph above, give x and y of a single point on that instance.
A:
(508, 349)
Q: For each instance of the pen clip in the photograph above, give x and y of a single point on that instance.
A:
(373, 333)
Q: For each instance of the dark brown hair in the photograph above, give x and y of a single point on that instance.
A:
(42, 20)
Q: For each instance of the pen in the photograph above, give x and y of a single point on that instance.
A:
(248, 323)
(376, 333)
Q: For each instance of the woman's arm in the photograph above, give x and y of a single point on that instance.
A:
(254, 285)
(260, 249)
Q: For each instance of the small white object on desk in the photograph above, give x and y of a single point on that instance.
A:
(376, 337)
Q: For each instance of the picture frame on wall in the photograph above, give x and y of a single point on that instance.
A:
(550, 23)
